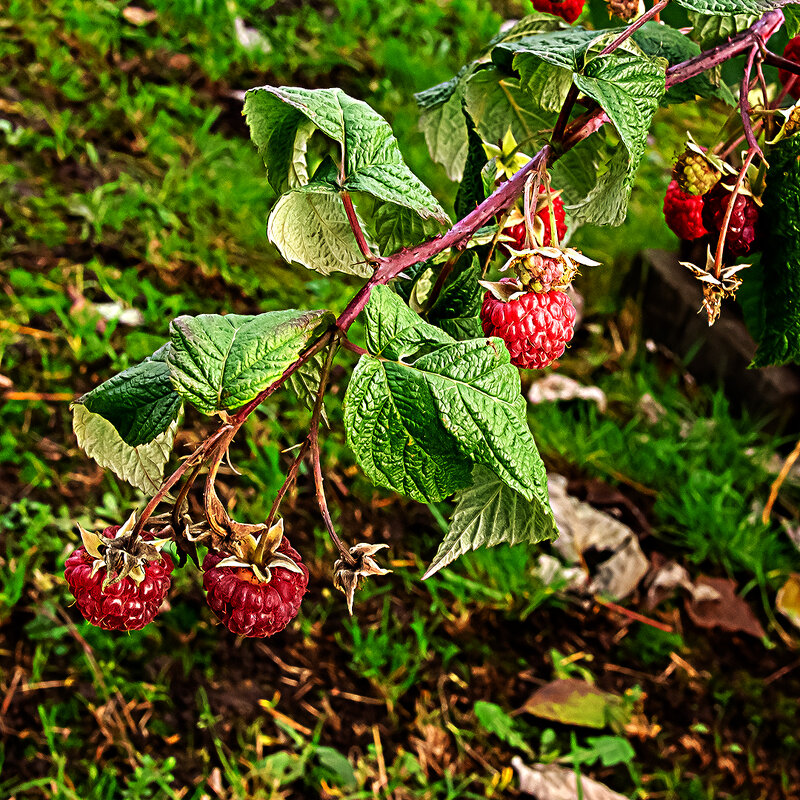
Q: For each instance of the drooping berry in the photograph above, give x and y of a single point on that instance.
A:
(684, 213)
(569, 10)
(623, 9)
(792, 53)
(256, 601)
(743, 225)
(516, 230)
(535, 326)
(113, 603)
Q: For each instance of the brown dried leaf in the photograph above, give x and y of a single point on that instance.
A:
(788, 599)
(727, 610)
(139, 16)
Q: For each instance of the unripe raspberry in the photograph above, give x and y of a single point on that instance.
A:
(694, 173)
(743, 225)
(248, 606)
(569, 10)
(126, 605)
(684, 213)
(792, 53)
(535, 326)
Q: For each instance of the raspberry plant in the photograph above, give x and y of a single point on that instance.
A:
(433, 408)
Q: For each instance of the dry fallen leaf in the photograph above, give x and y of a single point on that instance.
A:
(551, 782)
(583, 527)
(574, 702)
(560, 387)
(788, 599)
(139, 16)
(727, 610)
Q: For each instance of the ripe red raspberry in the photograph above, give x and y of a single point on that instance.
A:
(517, 232)
(792, 53)
(122, 606)
(569, 10)
(248, 606)
(743, 225)
(684, 213)
(535, 326)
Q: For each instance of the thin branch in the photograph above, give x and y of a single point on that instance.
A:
(313, 439)
(291, 477)
(744, 102)
(774, 60)
(729, 211)
(355, 225)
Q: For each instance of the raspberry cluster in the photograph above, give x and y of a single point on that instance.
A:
(791, 53)
(684, 213)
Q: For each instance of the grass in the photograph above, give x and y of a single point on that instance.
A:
(127, 184)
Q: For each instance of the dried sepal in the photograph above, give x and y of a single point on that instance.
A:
(715, 289)
(505, 291)
(348, 575)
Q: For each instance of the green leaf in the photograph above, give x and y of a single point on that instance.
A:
(709, 31)
(424, 401)
(338, 765)
(309, 225)
(731, 7)
(496, 721)
(304, 382)
(458, 306)
(780, 262)
(394, 227)
(139, 402)
(491, 513)
(663, 41)
(470, 191)
(371, 159)
(141, 466)
(222, 362)
(609, 750)
(792, 16)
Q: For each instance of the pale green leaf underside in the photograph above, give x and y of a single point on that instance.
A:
(222, 362)
(372, 161)
(311, 228)
(489, 513)
(141, 466)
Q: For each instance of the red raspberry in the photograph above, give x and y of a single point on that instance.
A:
(122, 606)
(569, 10)
(792, 53)
(535, 326)
(684, 212)
(248, 606)
(742, 229)
(517, 232)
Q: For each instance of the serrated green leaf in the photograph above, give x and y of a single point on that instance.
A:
(395, 227)
(470, 191)
(141, 466)
(222, 362)
(780, 261)
(139, 402)
(423, 401)
(709, 31)
(490, 513)
(460, 300)
(310, 226)
(791, 14)
(663, 41)
(503, 726)
(371, 158)
(731, 7)
(607, 202)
